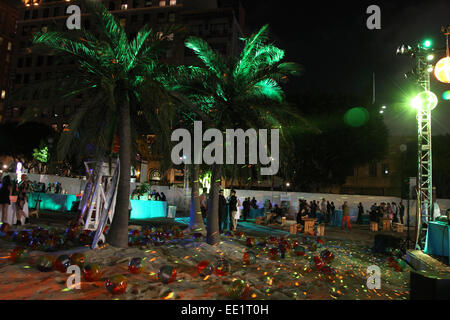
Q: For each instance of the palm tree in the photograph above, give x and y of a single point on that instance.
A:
(121, 82)
(235, 92)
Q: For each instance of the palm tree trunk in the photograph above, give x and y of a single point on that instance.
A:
(118, 233)
(212, 235)
(196, 221)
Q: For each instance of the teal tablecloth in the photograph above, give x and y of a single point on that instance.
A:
(51, 201)
(147, 209)
(336, 218)
(438, 238)
(256, 213)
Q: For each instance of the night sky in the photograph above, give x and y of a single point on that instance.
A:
(330, 39)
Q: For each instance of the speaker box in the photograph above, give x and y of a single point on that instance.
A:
(429, 287)
(382, 241)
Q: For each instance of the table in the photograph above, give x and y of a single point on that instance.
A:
(438, 238)
(336, 218)
(52, 201)
(147, 209)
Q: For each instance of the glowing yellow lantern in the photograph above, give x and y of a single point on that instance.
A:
(442, 70)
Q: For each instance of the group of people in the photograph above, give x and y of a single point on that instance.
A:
(322, 210)
(390, 211)
(153, 196)
(9, 188)
(49, 188)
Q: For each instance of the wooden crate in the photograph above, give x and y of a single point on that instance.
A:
(321, 229)
(398, 227)
(283, 221)
(373, 226)
(293, 228)
(386, 224)
(309, 225)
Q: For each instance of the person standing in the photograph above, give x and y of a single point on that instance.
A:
(22, 197)
(346, 216)
(5, 192)
(395, 210)
(402, 212)
(203, 203)
(360, 213)
(328, 212)
(246, 206)
(222, 208)
(233, 204)
(163, 197)
(254, 204)
(323, 211)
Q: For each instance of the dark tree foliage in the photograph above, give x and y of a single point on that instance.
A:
(441, 165)
(325, 156)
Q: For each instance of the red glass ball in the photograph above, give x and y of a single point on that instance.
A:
(117, 284)
(92, 272)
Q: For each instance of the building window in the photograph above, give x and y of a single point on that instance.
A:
(50, 60)
(8, 57)
(385, 169)
(112, 5)
(173, 2)
(38, 76)
(373, 169)
(172, 17)
(28, 62)
(3, 96)
(18, 78)
(134, 19)
(161, 17)
(55, 127)
(34, 14)
(136, 3)
(46, 12)
(123, 22)
(26, 16)
(147, 18)
(148, 3)
(40, 61)
(26, 78)
(9, 45)
(56, 12)
(162, 3)
(20, 63)
(124, 6)
(1, 40)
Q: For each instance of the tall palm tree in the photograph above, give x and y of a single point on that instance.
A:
(235, 92)
(120, 80)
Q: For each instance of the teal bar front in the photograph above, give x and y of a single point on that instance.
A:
(147, 209)
(52, 201)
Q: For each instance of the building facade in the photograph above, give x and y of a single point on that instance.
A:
(8, 18)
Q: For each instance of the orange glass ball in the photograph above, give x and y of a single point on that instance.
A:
(117, 284)
(92, 272)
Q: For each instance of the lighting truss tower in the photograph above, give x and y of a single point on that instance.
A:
(421, 75)
(424, 156)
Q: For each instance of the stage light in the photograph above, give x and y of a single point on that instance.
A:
(430, 68)
(430, 57)
(424, 100)
(383, 107)
(442, 70)
(427, 44)
(287, 184)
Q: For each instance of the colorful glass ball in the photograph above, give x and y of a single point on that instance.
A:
(249, 258)
(250, 242)
(62, 263)
(239, 289)
(18, 254)
(318, 263)
(136, 265)
(117, 284)
(4, 227)
(327, 256)
(300, 251)
(92, 272)
(197, 237)
(274, 254)
(78, 259)
(167, 274)
(205, 268)
(23, 236)
(222, 267)
(45, 263)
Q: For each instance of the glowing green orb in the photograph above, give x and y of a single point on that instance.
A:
(446, 95)
(424, 100)
(356, 117)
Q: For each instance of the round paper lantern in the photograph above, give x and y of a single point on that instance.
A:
(18, 254)
(92, 272)
(205, 268)
(78, 259)
(222, 267)
(249, 258)
(239, 289)
(117, 284)
(45, 263)
(136, 265)
(442, 70)
(167, 274)
(62, 263)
